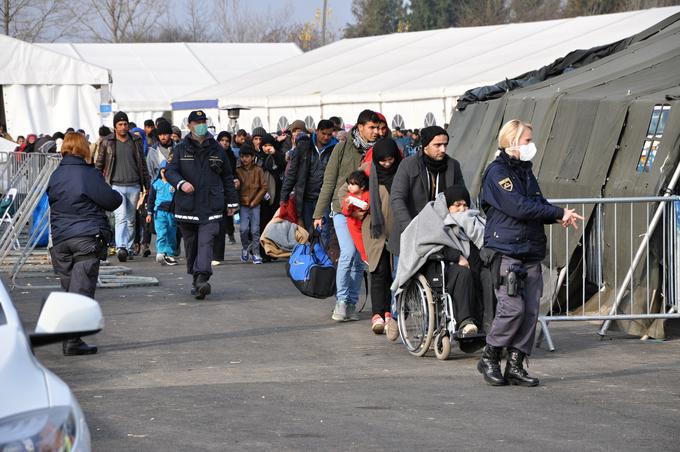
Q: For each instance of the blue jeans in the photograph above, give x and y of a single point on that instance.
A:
(308, 221)
(350, 267)
(125, 215)
(166, 232)
(250, 222)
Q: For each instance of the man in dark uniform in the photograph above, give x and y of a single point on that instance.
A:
(201, 172)
(516, 214)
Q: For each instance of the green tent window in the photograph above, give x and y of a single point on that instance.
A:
(282, 124)
(657, 124)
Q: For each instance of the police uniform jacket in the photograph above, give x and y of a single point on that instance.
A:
(516, 210)
(206, 167)
(79, 198)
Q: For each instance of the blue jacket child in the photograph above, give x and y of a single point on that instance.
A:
(160, 208)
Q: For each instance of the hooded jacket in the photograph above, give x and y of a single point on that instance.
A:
(306, 171)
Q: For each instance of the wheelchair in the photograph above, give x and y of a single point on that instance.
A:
(425, 314)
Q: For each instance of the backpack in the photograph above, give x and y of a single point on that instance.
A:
(311, 270)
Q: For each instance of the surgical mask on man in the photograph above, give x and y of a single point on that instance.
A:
(527, 152)
(201, 129)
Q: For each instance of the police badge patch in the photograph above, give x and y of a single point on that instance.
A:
(506, 184)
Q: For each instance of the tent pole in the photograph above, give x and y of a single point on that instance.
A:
(641, 250)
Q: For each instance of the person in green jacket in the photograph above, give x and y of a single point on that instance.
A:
(346, 157)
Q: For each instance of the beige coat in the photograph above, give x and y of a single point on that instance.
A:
(374, 247)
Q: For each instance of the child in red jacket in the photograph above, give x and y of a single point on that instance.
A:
(357, 200)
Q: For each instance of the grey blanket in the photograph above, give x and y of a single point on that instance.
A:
(430, 231)
(283, 234)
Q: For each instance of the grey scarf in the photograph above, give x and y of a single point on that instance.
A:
(359, 141)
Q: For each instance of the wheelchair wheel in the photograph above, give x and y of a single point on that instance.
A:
(416, 316)
(442, 346)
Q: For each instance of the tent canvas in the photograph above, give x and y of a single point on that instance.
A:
(146, 76)
(591, 127)
(44, 91)
(413, 74)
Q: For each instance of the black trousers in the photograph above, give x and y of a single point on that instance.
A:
(226, 227)
(381, 280)
(76, 262)
(460, 285)
(198, 246)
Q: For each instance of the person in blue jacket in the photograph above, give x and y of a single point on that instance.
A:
(159, 210)
(203, 177)
(516, 214)
(79, 198)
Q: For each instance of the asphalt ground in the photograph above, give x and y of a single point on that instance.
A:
(257, 366)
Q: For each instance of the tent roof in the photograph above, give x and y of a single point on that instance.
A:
(426, 64)
(22, 63)
(146, 76)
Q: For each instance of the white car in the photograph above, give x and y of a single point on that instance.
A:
(38, 410)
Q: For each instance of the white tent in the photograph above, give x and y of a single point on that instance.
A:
(44, 91)
(147, 76)
(413, 78)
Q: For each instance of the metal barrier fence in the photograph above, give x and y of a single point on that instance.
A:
(621, 265)
(21, 171)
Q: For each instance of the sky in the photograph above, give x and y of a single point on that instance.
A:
(302, 10)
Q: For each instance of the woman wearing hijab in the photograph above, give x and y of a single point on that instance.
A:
(29, 146)
(273, 162)
(376, 233)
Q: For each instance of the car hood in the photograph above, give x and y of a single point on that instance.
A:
(22, 380)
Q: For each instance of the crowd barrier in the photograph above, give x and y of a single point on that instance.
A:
(621, 265)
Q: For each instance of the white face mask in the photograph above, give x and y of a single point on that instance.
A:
(527, 152)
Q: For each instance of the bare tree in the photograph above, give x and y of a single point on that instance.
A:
(122, 20)
(38, 20)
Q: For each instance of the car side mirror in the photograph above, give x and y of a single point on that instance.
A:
(66, 316)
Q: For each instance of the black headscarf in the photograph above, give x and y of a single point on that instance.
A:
(383, 148)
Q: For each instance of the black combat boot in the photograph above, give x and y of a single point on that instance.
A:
(490, 366)
(74, 347)
(514, 369)
(202, 286)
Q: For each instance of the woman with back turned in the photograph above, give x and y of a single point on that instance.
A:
(79, 198)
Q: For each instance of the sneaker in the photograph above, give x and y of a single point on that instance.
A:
(215, 263)
(232, 240)
(169, 260)
(469, 330)
(377, 324)
(257, 259)
(147, 251)
(244, 256)
(391, 328)
(340, 312)
(122, 255)
(202, 287)
(352, 312)
(160, 259)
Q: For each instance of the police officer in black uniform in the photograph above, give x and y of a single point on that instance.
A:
(516, 213)
(201, 172)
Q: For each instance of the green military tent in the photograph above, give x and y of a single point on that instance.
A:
(609, 127)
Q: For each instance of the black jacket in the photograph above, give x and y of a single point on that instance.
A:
(411, 191)
(79, 198)
(516, 211)
(207, 168)
(305, 172)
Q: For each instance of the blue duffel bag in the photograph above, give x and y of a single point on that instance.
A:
(311, 270)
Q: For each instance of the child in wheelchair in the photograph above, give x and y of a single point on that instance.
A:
(438, 277)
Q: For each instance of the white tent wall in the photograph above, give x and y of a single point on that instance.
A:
(144, 80)
(428, 69)
(51, 108)
(44, 91)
